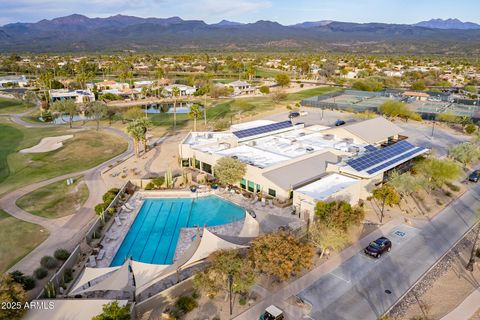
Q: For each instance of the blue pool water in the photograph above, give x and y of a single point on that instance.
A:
(153, 235)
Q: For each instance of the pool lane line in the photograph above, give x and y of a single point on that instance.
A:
(163, 231)
(171, 238)
(150, 232)
(190, 213)
(138, 230)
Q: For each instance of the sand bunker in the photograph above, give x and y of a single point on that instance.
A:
(47, 144)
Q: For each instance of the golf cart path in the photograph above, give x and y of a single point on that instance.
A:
(65, 232)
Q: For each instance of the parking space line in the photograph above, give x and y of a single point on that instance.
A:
(338, 277)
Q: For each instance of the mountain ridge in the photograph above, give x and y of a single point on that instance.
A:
(79, 33)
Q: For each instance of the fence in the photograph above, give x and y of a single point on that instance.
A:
(56, 279)
(98, 222)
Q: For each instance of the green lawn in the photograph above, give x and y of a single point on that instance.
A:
(9, 106)
(307, 93)
(268, 73)
(17, 239)
(55, 200)
(85, 150)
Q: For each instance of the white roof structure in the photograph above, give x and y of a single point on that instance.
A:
(145, 272)
(69, 309)
(326, 187)
(251, 227)
(90, 274)
(118, 280)
(253, 156)
(274, 311)
(209, 244)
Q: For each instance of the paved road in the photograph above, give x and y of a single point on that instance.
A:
(355, 287)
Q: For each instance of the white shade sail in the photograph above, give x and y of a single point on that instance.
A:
(251, 227)
(145, 272)
(90, 274)
(117, 280)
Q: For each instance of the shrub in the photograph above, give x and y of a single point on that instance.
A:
(477, 252)
(27, 282)
(242, 301)
(186, 304)
(150, 186)
(452, 187)
(99, 208)
(61, 254)
(40, 273)
(470, 128)
(68, 275)
(158, 182)
(48, 262)
(114, 191)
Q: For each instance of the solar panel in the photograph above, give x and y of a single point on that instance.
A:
(393, 161)
(375, 157)
(370, 148)
(262, 129)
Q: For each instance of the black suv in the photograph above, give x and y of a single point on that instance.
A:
(294, 114)
(339, 123)
(378, 247)
(474, 176)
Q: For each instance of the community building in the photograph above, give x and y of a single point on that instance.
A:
(79, 96)
(289, 161)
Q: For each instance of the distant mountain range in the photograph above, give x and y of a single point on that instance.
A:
(78, 33)
(448, 24)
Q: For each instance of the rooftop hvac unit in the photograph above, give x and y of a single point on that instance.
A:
(252, 143)
(328, 136)
(209, 136)
(348, 140)
(301, 134)
(310, 149)
(354, 149)
(235, 157)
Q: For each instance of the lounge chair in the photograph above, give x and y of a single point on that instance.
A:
(123, 216)
(125, 208)
(129, 207)
(270, 204)
(117, 221)
(112, 236)
(263, 202)
(91, 261)
(101, 254)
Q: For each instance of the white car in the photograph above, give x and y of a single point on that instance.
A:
(303, 113)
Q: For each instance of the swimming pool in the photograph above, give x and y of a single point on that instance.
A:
(153, 236)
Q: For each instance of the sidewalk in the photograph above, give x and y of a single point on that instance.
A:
(304, 282)
(467, 308)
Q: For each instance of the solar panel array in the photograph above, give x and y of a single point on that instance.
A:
(370, 148)
(395, 160)
(378, 156)
(262, 129)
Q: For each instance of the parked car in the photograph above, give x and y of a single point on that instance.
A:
(294, 114)
(378, 247)
(339, 123)
(303, 113)
(272, 313)
(474, 176)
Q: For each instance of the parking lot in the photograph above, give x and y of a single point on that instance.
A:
(326, 292)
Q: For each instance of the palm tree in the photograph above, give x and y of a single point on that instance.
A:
(175, 94)
(98, 110)
(144, 124)
(65, 106)
(137, 132)
(194, 113)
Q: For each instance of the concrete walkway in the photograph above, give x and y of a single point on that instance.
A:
(65, 232)
(467, 308)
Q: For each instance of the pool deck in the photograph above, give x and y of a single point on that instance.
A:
(269, 218)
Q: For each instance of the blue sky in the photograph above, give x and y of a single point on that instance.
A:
(283, 11)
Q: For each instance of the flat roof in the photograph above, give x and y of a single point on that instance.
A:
(253, 156)
(327, 186)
